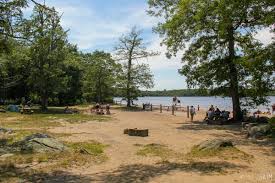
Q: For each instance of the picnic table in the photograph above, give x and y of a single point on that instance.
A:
(26, 110)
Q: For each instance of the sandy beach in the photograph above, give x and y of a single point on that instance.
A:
(176, 133)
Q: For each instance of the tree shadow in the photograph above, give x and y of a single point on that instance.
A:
(51, 110)
(10, 172)
(199, 125)
(131, 109)
(141, 173)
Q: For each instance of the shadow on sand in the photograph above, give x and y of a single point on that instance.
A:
(9, 172)
(232, 132)
(141, 173)
(199, 125)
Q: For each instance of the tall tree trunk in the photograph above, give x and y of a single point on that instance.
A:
(234, 84)
(128, 94)
(44, 103)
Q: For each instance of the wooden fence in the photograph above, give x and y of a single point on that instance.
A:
(161, 108)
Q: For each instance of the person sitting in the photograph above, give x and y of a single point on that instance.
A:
(100, 110)
(217, 113)
(210, 114)
(67, 110)
(97, 106)
(225, 115)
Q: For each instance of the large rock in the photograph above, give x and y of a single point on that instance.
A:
(41, 143)
(214, 144)
(5, 130)
(258, 132)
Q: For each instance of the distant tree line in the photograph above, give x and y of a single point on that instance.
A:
(181, 92)
(38, 63)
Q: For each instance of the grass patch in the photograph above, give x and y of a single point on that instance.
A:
(92, 147)
(45, 120)
(158, 150)
(94, 153)
(225, 153)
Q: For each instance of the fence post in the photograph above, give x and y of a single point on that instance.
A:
(187, 111)
(173, 110)
(160, 108)
(151, 107)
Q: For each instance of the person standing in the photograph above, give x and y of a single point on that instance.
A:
(192, 112)
(175, 100)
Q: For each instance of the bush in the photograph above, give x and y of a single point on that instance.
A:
(272, 122)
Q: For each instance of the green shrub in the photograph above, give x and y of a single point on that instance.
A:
(272, 122)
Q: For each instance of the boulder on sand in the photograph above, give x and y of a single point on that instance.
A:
(41, 143)
(214, 144)
(260, 131)
(6, 131)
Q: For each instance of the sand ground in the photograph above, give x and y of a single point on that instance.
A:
(179, 134)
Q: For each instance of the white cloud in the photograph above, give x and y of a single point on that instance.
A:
(265, 36)
(161, 61)
(88, 28)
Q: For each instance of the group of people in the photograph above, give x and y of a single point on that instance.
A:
(176, 101)
(192, 109)
(216, 113)
(99, 109)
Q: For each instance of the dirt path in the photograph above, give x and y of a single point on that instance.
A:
(179, 134)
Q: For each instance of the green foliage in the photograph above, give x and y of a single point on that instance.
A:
(11, 18)
(222, 53)
(73, 74)
(101, 76)
(47, 54)
(272, 123)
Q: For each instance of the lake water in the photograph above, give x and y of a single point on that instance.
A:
(224, 103)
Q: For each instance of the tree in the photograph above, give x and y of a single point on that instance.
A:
(131, 48)
(47, 54)
(222, 53)
(73, 72)
(15, 71)
(12, 23)
(100, 78)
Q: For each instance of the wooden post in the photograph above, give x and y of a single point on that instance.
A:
(143, 106)
(160, 108)
(151, 107)
(187, 111)
(173, 110)
(198, 107)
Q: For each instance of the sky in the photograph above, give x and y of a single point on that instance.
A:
(97, 25)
